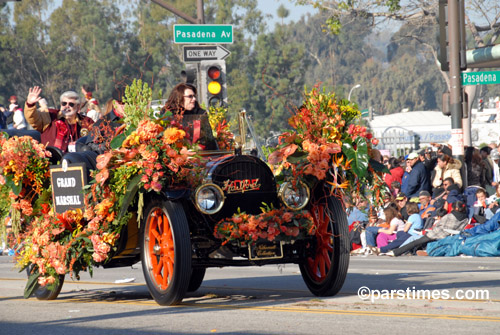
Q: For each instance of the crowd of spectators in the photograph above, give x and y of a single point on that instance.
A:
(429, 196)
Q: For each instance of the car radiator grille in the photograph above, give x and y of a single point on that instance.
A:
(237, 171)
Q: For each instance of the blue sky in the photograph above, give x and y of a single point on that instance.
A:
(271, 6)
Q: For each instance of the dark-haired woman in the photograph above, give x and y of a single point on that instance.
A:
(456, 220)
(183, 100)
(183, 104)
(447, 167)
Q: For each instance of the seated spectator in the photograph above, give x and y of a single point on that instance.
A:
(412, 227)
(425, 206)
(456, 220)
(481, 208)
(386, 235)
(59, 128)
(401, 201)
(359, 212)
(440, 212)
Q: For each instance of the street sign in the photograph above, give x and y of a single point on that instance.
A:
(198, 53)
(203, 33)
(480, 78)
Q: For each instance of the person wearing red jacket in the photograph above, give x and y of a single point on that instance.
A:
(59, 127)
(396, 171)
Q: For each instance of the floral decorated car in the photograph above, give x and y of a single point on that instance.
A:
(155, 197)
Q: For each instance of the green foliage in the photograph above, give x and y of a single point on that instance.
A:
(137, 101)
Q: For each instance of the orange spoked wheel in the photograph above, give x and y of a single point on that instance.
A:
(166, 251)
(324, 272)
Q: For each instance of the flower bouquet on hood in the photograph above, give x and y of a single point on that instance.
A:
(328, 145)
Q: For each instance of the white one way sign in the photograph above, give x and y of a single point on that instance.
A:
(204, 52)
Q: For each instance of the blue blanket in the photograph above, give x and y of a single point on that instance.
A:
(482, 241)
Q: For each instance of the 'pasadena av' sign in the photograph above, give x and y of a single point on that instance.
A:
(203, 33)
(480, 78)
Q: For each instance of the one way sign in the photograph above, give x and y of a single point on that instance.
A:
(204, 52)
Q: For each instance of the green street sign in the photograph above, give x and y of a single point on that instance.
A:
(480, 78)
(365, 112)
(203, 33)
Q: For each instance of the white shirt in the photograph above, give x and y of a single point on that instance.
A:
(19, 120)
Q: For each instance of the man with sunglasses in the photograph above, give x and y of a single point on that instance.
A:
(59, 127)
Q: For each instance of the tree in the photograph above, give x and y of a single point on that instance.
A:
(421, 13)
(280, 67)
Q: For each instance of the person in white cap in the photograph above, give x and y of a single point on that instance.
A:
(418, 179)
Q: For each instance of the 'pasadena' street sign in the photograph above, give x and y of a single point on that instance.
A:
(203, 33)
(480, 78)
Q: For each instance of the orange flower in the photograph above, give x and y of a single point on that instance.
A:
(172, 135)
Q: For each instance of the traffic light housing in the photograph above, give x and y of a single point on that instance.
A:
(416, 139)
(190, 74)
(480, 106)
(213, 83)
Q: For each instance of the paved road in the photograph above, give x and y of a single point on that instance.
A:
(267, 300)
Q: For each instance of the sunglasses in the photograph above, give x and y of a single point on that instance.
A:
(70, 104)
(191, 96)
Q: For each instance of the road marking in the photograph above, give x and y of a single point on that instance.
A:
(283, 309)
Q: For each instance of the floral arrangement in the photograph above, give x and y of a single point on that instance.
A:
(271, 224)
(24, 176)
(217, 117)
(327, 144)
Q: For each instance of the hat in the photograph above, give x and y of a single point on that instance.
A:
(424, 194)
(13, 97)
(494, 154)
(400, 196)
(422, 152)
(412, 155)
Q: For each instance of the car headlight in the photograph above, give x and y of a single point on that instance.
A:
(296, 196)
(209, 198)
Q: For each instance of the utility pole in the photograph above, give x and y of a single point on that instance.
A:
(200, 12)
(454, 41)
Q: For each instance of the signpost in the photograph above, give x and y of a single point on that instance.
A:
(204, 52)
(480, 78)
(203, 33)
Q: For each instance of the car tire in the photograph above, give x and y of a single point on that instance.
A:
(42, 292)
(166, 251)
(196, 279)
(324, 272)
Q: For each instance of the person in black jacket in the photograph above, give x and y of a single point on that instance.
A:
(418, 179)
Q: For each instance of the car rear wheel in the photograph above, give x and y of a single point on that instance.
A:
(166, 251)
(325, 271)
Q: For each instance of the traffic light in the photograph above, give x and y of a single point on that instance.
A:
(416, 139)
(480, 106)
(213, 83)
(190, 74)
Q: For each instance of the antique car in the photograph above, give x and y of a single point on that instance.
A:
(175, 242)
